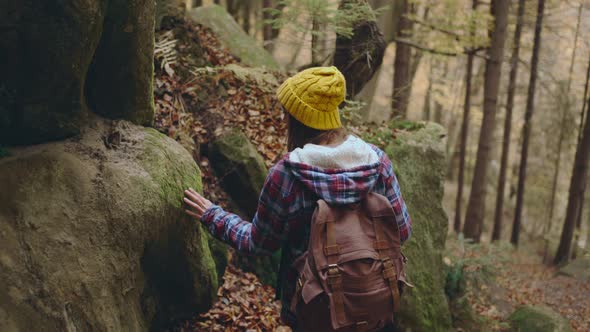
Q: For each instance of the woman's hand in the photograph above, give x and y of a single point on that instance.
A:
(198, 203)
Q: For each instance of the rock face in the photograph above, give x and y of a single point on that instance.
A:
(93, 236)
(419, 162)
(232, 36)
(60, 60)
(538, 319)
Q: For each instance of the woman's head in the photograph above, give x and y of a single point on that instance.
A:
(311, 99)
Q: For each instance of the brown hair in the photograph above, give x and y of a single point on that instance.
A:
(299, 134)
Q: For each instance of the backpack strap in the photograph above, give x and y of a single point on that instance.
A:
(381, 246)
(332, 252)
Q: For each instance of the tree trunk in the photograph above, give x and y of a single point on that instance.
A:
(316, 42)
(233, 7)
(428, 97)
(576, 194)
(562, 129)
(464, 132)
(266, 25)
(497, 232)
(476, 206)
(359, 57)
(246, 8)
(268, 32)
(585, 107)
(401, 73)
(526, 130)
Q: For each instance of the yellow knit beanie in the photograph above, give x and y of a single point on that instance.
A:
(313, 95)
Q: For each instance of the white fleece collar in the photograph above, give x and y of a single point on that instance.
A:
(353, 152)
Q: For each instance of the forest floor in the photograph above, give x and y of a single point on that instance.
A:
(499, 279)
(189, 111)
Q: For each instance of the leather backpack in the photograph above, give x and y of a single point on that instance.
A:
(352, 274)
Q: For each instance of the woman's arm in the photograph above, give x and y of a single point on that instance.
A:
(388, 185)
(262, 236)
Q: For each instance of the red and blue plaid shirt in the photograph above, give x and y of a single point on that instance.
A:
(287, 202)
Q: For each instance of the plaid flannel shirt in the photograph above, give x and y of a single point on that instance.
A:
(286, 204)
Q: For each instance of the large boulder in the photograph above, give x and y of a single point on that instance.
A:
(418, 157)
(229, 32)
(538, 319)
(240, 169)
(61, 59)
(241, 172)
(93, 236)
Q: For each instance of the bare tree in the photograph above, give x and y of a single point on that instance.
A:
(428, 96)
(562, 132)
(268, 32)
(576, 194)
(585, 107)
(497, 232)
(246, 9)
(402, 69)
(476, 206)
(526, 130)
(464, 132)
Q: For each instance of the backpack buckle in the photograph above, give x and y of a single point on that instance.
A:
(334, 277)
(333, 270)
(361, 326)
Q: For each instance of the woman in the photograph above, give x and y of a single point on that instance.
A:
(324, 163)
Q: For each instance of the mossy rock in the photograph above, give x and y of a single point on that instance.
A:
(538, 319)
(419, 162)
(579, 268)
(242, 172)
(240, 169)
(93, 234)
(60, 61)
(232, 36)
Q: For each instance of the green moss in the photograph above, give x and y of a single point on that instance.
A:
(173, 170)
(173, 174)
(419, 163)
(538, 319)
(219, 251)
(407, 125)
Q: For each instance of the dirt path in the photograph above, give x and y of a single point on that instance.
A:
(523, 280)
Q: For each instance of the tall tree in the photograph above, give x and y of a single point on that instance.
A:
(562, 131)
(585, 107)
(246, 9)
(464, 129)
(476, 206)
(526, 129)
(402, 69)
(428, 96)
(266, 24)
(270, 12)
(576, 194)
(499, 212)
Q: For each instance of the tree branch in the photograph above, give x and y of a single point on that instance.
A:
(439, 52)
